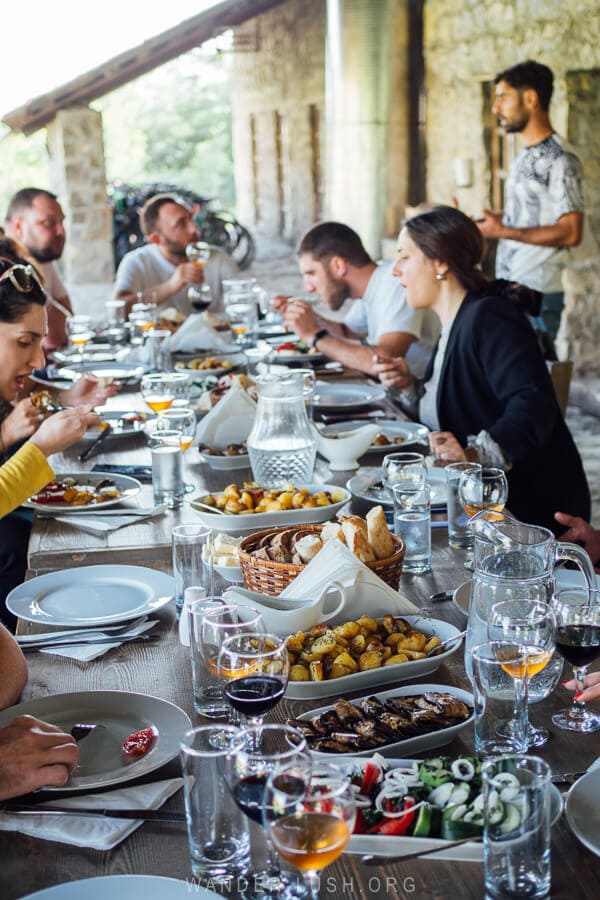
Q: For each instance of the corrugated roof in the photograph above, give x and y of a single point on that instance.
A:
(123, 68)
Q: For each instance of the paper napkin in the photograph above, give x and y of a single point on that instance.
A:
(102, 524)
(98, 833)
(230, 421)
(366, 593)
(93, 651)
(195, 334)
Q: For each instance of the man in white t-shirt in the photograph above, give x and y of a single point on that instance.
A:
(36, 219)
(544, 209)
(160, 271)
(336, 267)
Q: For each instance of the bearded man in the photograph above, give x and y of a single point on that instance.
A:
(544, 209)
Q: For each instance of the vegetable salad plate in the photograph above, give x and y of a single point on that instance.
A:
(125, 887)
(115, 487)
(345, 396)
(120, 713)
(417, 668)
(397, 845)
(91, 595)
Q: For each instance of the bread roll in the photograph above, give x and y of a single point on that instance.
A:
(380, 538)
(308, 546)
(356, 539)
(332, 530)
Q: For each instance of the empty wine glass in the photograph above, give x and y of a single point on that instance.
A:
(529, 624)
(265, 748)
(310, 813)
(403, 467)
(479, 488)
(254, 670)
(577, 614)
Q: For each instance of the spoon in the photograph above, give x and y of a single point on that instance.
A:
(211, 509)
(435, 650)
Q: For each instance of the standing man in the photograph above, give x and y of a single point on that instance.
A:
(160, 270)
(336, 267)
(544, 203)
(35, 218)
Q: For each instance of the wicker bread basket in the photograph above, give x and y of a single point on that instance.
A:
(270, 577)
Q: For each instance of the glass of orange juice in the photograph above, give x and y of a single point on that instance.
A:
(309, 811)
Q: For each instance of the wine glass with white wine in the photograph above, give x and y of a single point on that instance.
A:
(199, 295)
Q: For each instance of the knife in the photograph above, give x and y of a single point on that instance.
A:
(566, 777)
(100, 630)
(106, 429)
(342, 417)
(88, 642)
(152, 814)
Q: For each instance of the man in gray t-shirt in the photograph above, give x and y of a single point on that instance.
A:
(161, 270)
(544, 208)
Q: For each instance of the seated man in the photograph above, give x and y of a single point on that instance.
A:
(35, 218)
(160, 271)
(33, 754)
(336, 267)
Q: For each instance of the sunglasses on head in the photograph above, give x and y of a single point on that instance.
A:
(22, 277)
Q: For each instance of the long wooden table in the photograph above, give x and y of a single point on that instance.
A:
(162, 669)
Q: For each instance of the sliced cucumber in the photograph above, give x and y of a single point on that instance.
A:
(511, 820)
(440, 796)
(460, 793)
(423, 823)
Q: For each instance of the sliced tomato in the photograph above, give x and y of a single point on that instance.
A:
(139, 743)
(369, 779)
(399, 826)
(287, 345)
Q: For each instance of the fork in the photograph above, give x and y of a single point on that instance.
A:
(57, 636)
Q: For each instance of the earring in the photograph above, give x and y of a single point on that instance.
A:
(440, 276)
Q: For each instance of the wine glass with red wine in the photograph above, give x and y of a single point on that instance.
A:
(254, 670)
(577, 614)
(247, 771)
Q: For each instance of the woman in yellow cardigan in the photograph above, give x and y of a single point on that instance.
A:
(22, 327)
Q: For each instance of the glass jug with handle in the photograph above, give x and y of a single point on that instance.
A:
(515, 561)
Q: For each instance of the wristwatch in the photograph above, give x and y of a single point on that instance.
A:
(317, 337)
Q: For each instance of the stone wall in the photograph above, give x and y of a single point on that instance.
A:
(466, 43)
(278, 84)
(78, 177)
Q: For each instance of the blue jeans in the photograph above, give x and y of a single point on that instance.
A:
(551, 312)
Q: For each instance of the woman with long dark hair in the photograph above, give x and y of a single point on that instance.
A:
(487, 394)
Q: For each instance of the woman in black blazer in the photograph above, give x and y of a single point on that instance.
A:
(487, 394)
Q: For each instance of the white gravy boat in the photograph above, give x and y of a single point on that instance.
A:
(284, 617)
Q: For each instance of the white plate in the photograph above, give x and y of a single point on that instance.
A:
(338, 687)
(125, 887)
(410, 431)
(258, 521)
(95, 353)
(226, 463)
(563, 578)
(382, 845)
(127, 486)
(360, 486)
(124, 372)
(121, 713)
(181, 360)
(120, 429)
(91, 595)
(419, 744)
(344, 396)
(583, 810)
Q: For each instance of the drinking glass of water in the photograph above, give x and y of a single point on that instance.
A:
(412, 523)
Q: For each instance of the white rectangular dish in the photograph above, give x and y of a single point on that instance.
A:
(418, 744)
(238, 524)
(371, 678)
